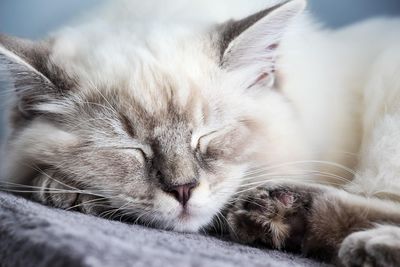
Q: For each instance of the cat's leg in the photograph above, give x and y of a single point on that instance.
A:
(379, 246)
(378, 173)
(313, 220)
(53, 192)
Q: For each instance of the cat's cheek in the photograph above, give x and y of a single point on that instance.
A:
(202, 203)
(200, 195)
(224, 183)
(166, 205)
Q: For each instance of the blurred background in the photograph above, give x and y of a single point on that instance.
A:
(34, 19)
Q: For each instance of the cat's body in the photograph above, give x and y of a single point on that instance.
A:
(126, 113)
(349, 88)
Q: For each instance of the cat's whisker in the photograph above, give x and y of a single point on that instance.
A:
(122, 207)
(130, 216)
(299, 178)
(215, 223)
(264, 183)
(229, 225)
(303, 175)
(6, 185)
(34, 191)
(50, 191)
(300, 172)
(105, 214)
(141, 215)
(257, 204)
(38, 169)
(10, 185)
(321, 162)
(219, 222)
(93, 201)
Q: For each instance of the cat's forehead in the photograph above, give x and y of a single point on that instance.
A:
(152, 110)
(131, 56)
(157, 79)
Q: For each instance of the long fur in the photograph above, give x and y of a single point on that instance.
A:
(179, 86)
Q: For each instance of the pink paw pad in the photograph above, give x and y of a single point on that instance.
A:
(286, 198)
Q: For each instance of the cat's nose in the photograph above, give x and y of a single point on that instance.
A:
(182, 193)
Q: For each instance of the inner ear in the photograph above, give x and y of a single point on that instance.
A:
(230, 30)
(35, 78)
(250, 45)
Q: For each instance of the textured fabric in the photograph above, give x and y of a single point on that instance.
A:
(35, 235)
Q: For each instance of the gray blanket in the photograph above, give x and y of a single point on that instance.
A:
(35, 235)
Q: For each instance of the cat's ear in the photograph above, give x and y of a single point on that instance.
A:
(34, 78)
(250, 45)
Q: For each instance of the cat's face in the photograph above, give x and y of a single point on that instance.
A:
(144, 156)
(163, 127)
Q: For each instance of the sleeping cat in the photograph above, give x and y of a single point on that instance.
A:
(172, 115)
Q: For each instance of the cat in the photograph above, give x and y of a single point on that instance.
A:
(175, 116)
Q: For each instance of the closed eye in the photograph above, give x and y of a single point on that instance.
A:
(138, 149)
(202, 141)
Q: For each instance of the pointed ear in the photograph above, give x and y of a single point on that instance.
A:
(35, 79)
(251, 44)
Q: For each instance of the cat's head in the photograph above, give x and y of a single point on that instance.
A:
(162, 124)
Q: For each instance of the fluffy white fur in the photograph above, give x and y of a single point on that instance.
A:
(347, 95)
(342, 85)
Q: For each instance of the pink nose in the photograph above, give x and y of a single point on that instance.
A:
(182, 192)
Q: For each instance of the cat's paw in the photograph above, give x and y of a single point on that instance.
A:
(379, 247)
(52, 192)
(272, 216)
(57, 194)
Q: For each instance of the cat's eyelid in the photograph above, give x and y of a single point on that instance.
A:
(132, 148)
(200, 142)
(147, 153)
(202, 146)
(142, 152)
(198, 135)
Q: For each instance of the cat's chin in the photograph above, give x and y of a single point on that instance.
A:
(190, 222)
(190, 225)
